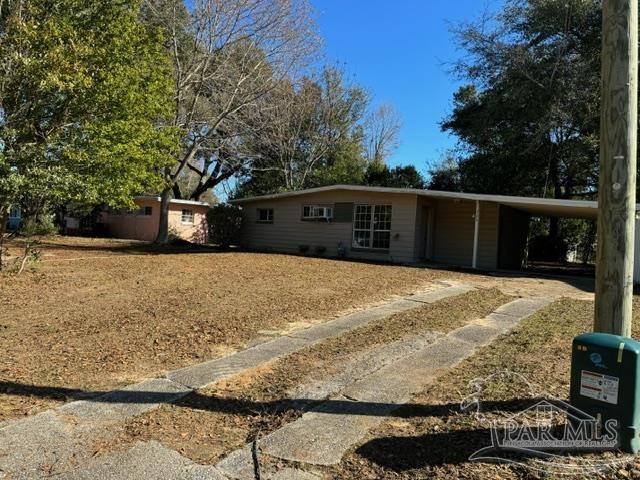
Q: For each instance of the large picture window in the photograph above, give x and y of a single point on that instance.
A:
(372, 226)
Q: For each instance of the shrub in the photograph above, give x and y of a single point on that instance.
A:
(320, 249)
(224, 222)
(303, 248)
(38, 226)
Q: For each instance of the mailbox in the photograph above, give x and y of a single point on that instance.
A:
(605, 382)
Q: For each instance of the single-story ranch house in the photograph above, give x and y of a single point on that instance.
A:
(401, 224)
(187, 220)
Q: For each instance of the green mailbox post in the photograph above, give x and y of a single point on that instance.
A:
(605, 382)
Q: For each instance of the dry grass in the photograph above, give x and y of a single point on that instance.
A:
(319, 360)
(207, 424)
(434, 439)
(98, 314)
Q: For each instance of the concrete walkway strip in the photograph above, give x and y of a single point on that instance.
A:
(323, 435)
(440, 294)
(293, 474)
(322, 438)
(29, 447)
(203, 374)
(361, 365)
(239, 466)
(129, 402)
(145, 461)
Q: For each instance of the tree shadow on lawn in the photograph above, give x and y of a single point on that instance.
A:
(127, 247)
(196, 400)
(466, 446)
(397, 453)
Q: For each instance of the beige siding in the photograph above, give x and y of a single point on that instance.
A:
(454, 230)
(488, 239)
(288, 231)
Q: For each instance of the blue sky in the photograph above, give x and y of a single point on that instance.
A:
(398, 51)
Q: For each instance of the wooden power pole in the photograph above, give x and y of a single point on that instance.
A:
(617, 185)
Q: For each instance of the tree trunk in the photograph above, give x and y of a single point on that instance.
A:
(163, 224)
(554, 177)
(4, 218)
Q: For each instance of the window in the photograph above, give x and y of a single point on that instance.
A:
(145, 211)
(265, 215)
(14, 212)
(187, 217)
(317, 212)
(372, 226)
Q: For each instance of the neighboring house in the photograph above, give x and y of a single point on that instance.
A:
(15, 217)
(187, 220)
(402, 225)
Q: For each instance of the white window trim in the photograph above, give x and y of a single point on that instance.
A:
(269, 220)
(371, 229)
(313, 208)
(187, 222)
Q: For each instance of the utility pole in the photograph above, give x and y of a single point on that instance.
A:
(617, 185)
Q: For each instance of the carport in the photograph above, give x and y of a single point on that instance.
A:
(490, 231)
(514, 221)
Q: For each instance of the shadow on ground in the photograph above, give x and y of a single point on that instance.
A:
(130, 247)
(243, 406)
(452, 446)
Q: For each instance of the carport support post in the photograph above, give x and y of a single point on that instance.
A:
(476, 234)
(617, 185)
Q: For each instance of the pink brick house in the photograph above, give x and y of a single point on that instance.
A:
(187, 219)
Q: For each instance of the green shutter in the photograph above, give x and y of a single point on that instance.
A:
(343, 212)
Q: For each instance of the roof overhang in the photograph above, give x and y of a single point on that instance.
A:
(535, 206)
(172, 201)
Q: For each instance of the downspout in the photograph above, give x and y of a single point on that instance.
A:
(476, 234)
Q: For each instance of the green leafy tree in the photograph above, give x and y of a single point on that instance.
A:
(83, 86)
(445, 175)
(225, 222)
(382, 175)
(528, 117)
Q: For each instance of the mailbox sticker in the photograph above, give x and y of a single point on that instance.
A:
(599, 387)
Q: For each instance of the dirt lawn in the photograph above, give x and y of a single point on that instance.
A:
(98, 314)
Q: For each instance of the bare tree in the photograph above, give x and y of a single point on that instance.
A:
(227, 56)
(382, 131)
(304, 121)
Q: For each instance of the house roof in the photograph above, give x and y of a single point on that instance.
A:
(173, 200)
(532, 205)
